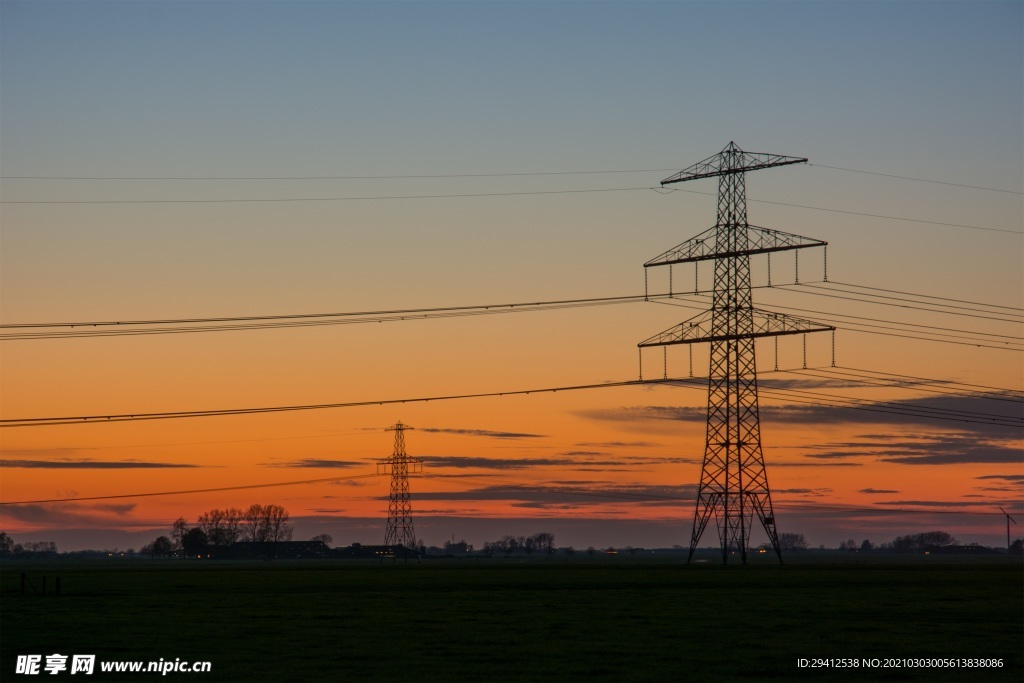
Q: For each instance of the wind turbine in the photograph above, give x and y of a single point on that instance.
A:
(1008, 520)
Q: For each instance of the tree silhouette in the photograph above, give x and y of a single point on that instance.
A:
(916, 542)
(266, 524)
(789, 541)
(178, 531)
(194, 542)
(222, 527)
(161, 547)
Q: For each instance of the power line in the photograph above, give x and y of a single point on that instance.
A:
(802, 289)
(853, 327)
(859, 213)
(988, 339)
(893, 218)
(301, 319)
(659, 190)
(19, 336)
(468, 175)
(132, 417)
(882, 511)
(511, 486)
(514, 486)
(321, 199)
(994, 337)
(344, 177)
(817, 399)
(919, 180)
(22, 451)
(289, 319)
(929, 296)
(897, 384)
(1007, 317)
(930, 380)
(908, 409)
(187, 491)
(825, 316)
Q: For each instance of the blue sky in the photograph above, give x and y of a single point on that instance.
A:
(314, 87)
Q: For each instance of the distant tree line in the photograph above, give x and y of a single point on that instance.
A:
(852, 545)
(903, 544)
(910, 543)
(789, 541)
(8, 547)
(538, 543)
(916, 542)
(257, 523)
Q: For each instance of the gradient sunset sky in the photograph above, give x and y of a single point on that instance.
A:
(152, 103)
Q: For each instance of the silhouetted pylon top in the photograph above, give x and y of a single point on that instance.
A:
(399, 429)
(732, 159)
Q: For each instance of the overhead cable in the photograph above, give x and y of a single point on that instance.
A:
(460, 195)
(469, 175)
(132, 417)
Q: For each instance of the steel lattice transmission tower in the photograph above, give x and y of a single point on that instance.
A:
(733, 483)
(400, 531)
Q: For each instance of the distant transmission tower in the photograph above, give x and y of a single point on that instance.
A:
(733, 482)
(400, 532)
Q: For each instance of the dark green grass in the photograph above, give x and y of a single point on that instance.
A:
(503, 620)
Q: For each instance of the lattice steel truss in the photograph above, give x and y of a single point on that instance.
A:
(400, 532)
(734, 484)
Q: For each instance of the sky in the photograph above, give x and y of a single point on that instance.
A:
(483, 153)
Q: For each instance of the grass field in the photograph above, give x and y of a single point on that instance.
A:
(504, 620)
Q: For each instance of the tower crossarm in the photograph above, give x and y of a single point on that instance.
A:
(732, 159)
(759, 241)
(411, 465)
(699, 329)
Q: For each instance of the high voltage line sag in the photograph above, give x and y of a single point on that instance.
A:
(919, 180)
(472, 175)
(321, 199)
(1018, 309)
(893, 384)
(927, 296)
(363, 316)
(905, 410)
(178, 493)
(974, 338)
(514, 486)
(901, 409)
(659, 190)
(225, 323)
(510, 486)
(931, 381)
(132, 417)
(857, 296)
